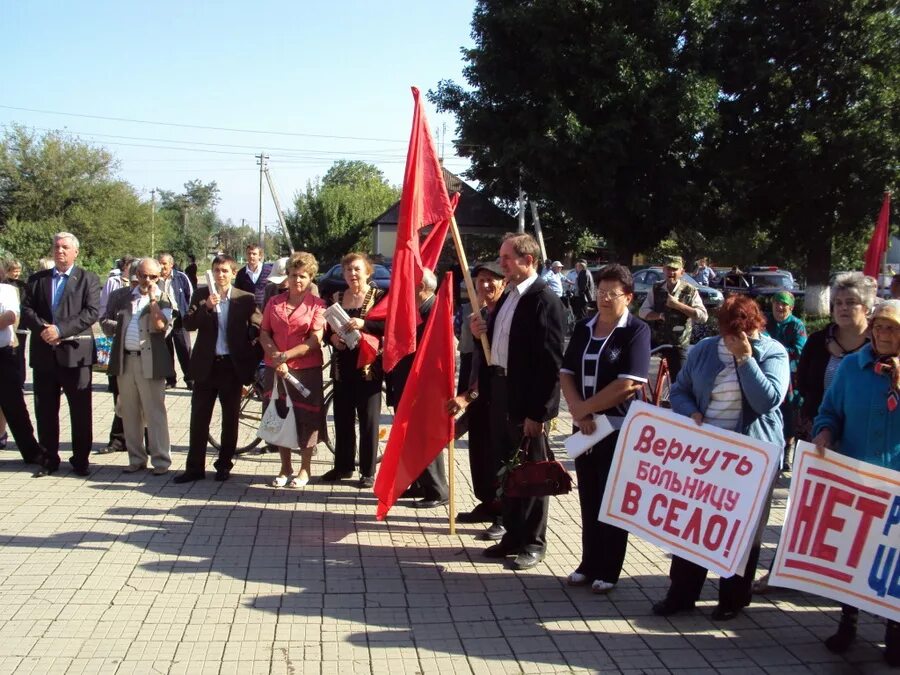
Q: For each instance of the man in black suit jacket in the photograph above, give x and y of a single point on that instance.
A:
(60, 307)
(526, 337)
(225, 357)
(254, 276)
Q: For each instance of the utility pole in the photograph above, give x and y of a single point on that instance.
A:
(261, 159)
(153, 221)
(521, 204)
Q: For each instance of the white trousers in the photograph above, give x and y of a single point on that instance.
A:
(142, 402)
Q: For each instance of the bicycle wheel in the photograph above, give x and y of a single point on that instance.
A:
(249, 416)
(663, 386)
(328, 411)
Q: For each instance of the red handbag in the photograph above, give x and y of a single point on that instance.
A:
(542, 478)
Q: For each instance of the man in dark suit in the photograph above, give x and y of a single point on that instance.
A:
(254, 276)
(177, 286)
(225, 357)
(526, 337)
(60, 307)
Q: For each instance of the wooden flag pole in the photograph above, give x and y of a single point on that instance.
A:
(467, 276)
(452, 486)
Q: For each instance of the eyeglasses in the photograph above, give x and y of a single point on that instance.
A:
(606, 295)
(149, 277)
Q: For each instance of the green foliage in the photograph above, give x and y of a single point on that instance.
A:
(597, 106)
(50, 184)
(188, 219)
(808, 127)
(332, 216)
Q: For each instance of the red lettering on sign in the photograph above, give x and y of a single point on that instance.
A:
(828, 521)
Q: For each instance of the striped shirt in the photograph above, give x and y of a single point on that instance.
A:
(724, 410)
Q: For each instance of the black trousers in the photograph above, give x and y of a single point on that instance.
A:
(355, 398)
(76, 384)
(179, 345)
(465, 371)
(525, 519)
(483, 462)
(224, 385)
(117, 430)
(579, 307)
(734, 592)
(12, 402)
(433, 480)
(603, 546)
(675, 356)
(20, 356)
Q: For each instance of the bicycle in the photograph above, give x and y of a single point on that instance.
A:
(659, 394)
(250, 412)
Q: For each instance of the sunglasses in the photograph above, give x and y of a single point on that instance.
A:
(150, 277)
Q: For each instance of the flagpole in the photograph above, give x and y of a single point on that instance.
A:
(467, 276)
(452, 486)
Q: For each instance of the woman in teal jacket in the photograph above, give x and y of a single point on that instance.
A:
(860, 418)
(737, 382)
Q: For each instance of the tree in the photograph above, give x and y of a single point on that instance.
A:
(597, 106)
(50, 184)
(189, 218)
(332, 216)
(808, 126)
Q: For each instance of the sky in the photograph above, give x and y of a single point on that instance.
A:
(306, 82)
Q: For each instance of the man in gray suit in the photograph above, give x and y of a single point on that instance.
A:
(59, 308)
(137, 319)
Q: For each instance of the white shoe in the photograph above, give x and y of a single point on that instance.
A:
(279, 481)
(300, 481)
(601, 587)
(576, 579)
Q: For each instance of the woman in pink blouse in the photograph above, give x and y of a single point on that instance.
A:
(291, 336)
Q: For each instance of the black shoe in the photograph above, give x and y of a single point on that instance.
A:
(170, 385)
(724, 613)
(846, 633)
(189, 386)
(188, 477)
(494, 533)
(334, 475)
(668, 606)
(480, 514)
(429, 503)
(112, 447)
(4, 440)
(82, 471)
(222, 476)
(500, 551)
(366, 482)
(412, 492)
(527, 559)
(46, 470)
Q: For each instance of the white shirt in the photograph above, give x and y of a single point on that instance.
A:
(724, 410)
(57, 279)
(500, 340)
(554, 281)
(254, 274)
(9, 302)
(222, 316)
(133, 330)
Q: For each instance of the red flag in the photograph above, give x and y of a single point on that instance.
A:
(424, 200)
(422, 426)
(879, 242)
(429, 254)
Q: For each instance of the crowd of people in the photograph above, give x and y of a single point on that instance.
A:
(761, 377)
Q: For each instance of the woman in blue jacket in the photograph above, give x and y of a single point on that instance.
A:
(860, 418)
(736, 381)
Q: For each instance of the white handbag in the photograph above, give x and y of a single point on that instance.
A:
(275, 429)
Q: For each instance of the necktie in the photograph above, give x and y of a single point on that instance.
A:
(60, 288)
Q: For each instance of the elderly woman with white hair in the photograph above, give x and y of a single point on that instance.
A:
(860, 418)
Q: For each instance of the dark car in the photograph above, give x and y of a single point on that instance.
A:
(333, 280)
(760, 282)
(645, 278)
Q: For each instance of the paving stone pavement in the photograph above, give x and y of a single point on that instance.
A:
(124, 574)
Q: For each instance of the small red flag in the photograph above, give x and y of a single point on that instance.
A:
(879, 242)
(422, 426)
(423, 201)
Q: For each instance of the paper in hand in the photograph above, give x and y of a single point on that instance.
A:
(211, 284)
(580, 443)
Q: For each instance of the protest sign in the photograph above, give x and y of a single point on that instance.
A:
(696, 491)
(841, 534)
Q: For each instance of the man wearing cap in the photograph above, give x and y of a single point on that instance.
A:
(473, 397)
(790, 331)
(554, 278)
(671, 308)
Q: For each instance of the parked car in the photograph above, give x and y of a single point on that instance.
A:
(333, 280)
(645, 278)
(760, 281)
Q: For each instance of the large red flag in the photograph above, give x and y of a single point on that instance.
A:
(422, 426)
(429, 253)
(423, 201)
(879, 242)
